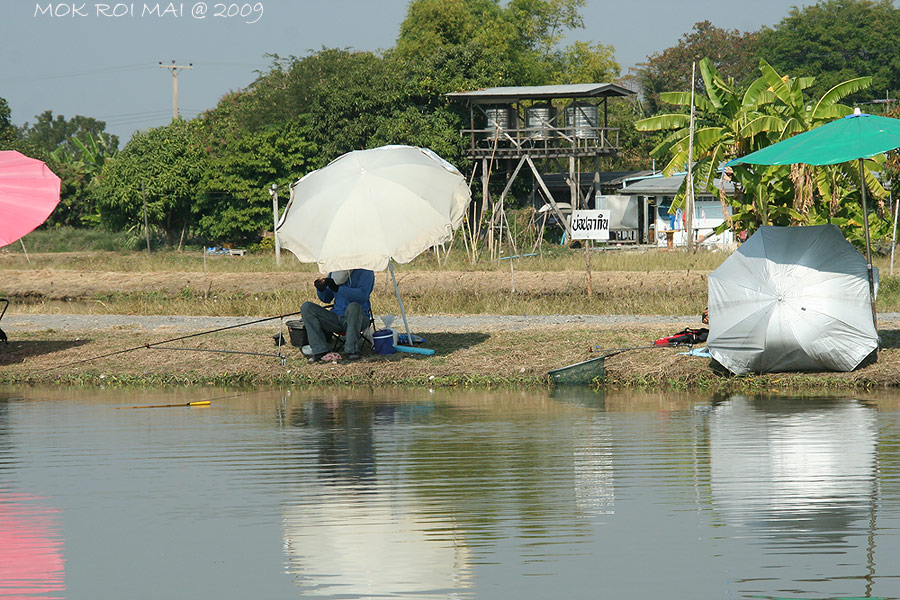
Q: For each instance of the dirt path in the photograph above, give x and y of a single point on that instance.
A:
(418, 323)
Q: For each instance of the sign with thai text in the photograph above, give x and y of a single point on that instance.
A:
(590, 224)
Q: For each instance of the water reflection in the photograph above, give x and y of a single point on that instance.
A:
(356, 532)
(453, 494)
(410, 495)
(790, 467)
(31, 560)
(801, 474)
(344, 443)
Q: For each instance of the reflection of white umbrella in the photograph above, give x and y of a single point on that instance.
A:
(369, 207)
(372, 545)
(791, 299)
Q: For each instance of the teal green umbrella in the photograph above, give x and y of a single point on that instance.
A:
(854, 137)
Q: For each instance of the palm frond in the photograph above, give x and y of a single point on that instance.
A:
(677, 163)
(842, 90)
(660, 122)
(832, 112)
(760, 124)
(709, 74)
(776, 84)
(753, 95)
(707, 137)
(684, 99)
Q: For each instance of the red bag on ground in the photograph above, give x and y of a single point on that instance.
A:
(688, 337)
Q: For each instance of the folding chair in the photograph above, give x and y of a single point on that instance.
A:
(366, 335)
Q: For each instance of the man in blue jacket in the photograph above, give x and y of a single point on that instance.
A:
(350, 291)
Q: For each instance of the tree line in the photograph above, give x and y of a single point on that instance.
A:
(208, 177)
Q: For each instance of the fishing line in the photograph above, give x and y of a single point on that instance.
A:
(155, 347)
(615, 351)
(169, 341)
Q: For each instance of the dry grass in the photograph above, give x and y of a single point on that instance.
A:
(464, 359)
(645, 282)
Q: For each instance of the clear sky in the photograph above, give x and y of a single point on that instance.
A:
(80, 58)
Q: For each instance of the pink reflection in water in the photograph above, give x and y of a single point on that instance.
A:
(31, 559)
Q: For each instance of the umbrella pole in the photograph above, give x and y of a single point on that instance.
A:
(862, 187)
(409, 337)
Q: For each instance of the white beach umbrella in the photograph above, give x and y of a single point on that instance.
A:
(791, 299)
(370, 207)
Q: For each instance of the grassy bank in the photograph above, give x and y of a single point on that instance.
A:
(462, 359)
(623, 281)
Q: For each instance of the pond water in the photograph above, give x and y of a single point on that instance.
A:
(446, 494)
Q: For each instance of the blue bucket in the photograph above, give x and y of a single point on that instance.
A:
(383, 340)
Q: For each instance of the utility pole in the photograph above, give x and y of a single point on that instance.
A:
(175, 68)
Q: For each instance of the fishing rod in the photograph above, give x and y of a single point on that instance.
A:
(183, 404)
(614, 351)
(197, 402)
(175, 339)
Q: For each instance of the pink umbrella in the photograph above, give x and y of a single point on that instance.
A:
(29, 191)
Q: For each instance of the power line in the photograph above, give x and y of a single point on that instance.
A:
(89, 73)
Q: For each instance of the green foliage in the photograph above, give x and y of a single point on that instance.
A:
(837, 40)
(586, 63)
(54, 134)
(234, 204)
(764, 197)
(636, 145)
(726, 126)
(516, 44)
(348, 101)
(71, 239)
(7, 129)
(168, 164)
(732, 123)
(78, 164)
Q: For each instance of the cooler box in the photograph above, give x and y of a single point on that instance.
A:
(383, 340)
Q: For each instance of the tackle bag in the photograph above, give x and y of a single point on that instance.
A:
(688, 337)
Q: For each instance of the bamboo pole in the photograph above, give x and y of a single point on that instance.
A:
(689, 192)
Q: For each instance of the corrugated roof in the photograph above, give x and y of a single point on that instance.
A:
(668, 186)
(533, 92)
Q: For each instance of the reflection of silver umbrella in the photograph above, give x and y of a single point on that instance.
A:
(369, 207)
(785, 466)
(791, 299)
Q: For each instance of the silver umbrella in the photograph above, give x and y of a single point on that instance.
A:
(791, 299)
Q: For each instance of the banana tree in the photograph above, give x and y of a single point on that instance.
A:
(819, 191)
(728, 124)
(732, 124)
